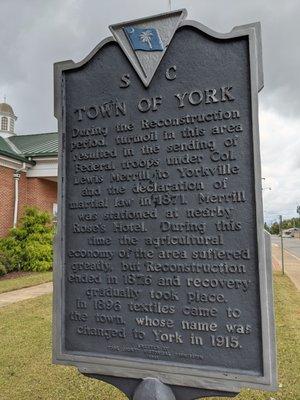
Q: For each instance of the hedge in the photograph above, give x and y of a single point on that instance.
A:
(29, 246)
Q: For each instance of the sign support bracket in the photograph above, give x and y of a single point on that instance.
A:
(153, 389)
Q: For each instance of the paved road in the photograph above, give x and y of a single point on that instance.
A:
(291, 245)
(291, 257)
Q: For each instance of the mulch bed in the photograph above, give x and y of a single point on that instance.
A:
(15, 274)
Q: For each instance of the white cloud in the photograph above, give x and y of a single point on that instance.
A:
(280, 153)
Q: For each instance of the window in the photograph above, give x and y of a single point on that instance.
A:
(12, 124)
(4, 124)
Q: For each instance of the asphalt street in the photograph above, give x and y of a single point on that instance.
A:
(290, 245)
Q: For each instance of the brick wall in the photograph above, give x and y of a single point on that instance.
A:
(6, 199)
(37, 192)
(23, 192)
(41, 193)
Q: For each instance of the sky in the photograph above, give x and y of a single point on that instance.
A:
(36, 33)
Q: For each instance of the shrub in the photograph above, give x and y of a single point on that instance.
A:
(10, 253)
(3, 270)
(29, 246)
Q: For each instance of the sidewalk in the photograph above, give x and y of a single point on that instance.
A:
(25, 294)
(291, 264)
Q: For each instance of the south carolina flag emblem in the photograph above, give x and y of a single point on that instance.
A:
(145, 39)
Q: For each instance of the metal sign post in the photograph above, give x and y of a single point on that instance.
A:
(281, 241)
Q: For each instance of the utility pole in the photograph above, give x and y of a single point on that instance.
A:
(298, 211)
(281, 238)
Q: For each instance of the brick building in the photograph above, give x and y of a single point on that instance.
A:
(28, 170)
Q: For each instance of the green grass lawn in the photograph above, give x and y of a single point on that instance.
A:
(30, 279)
(26, 371)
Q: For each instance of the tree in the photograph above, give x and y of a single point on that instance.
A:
(146, 37)
(286, 224)
(274, 228)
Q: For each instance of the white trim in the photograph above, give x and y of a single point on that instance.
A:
(11, 163)
(44, 168)
(44, 159)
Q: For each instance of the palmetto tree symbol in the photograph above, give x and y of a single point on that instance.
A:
(146, 37)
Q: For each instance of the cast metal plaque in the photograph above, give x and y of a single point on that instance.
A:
(160, 256)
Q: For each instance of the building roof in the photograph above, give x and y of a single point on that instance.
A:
(8, 150)
(4, 146)
(27, 147)
(38, 145)
(6, 108)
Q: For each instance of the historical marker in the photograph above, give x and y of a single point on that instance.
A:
(161, 264)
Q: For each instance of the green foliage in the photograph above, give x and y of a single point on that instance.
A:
(286, 224)
(29, 246)
(3, 269)
(274, 228)
(291, 223)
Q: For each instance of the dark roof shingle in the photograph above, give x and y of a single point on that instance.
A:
(8, 150)
(42, 144)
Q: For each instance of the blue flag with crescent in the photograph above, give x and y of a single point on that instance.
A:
(145, 39)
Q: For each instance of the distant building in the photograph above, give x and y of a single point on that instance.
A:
(28, 170)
